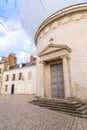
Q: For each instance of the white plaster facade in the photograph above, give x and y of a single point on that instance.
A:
(3, 65)
(1, 70)
(27, 83)
(67, 27)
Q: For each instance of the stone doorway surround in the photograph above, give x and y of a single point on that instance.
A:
(54, 54)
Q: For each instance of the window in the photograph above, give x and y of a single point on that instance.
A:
(20, 76)
(29, 75)
(0, 70)
(7, 77)
(13, 77)
(6, 88)
(0, 78)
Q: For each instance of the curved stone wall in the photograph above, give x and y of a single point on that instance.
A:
(69, 27)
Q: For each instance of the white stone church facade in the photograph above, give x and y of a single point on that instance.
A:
(61, 42)
(61, 69)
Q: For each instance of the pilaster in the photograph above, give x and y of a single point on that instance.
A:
(66, 77)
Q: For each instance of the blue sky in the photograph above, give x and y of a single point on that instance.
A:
(21, 22)
(13, 38)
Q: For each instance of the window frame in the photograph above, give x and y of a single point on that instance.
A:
(13, 77)
(7, 78)
(20, 76)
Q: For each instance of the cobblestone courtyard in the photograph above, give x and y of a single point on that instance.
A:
(17, 114)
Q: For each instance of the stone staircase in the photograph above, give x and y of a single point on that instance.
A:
(71, 105)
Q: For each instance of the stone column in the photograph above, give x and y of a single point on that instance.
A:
(49, 81)
(66, 77)
(42, 76)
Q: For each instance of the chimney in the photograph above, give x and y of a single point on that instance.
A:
(12, 60)
(32, 59)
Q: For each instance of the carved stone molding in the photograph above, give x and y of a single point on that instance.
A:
(42, 62)
(54, 51)
(64, 20)
(73, 13)
(67, 56)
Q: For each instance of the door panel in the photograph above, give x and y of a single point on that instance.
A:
(12, 89)
(57, 82)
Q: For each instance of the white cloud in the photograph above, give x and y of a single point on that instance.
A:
(22, 56)
(27, 46)
(15, 40)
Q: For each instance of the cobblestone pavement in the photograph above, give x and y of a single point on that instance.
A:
(17, 114)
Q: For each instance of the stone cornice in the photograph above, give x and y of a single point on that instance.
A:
(53, 48)
(61, 14)
(54, 51)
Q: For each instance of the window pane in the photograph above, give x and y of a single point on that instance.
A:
(20, 76)
(13, 77)
(7, 77)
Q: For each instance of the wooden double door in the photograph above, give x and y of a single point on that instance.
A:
(57, 82)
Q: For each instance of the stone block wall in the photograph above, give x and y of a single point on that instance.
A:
(74, 34)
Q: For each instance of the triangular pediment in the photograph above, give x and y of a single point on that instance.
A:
(52, 48)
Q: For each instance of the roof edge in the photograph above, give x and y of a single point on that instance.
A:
(58, 14)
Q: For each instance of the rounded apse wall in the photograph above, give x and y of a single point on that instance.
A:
(68, 27)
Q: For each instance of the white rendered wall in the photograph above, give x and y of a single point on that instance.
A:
(25, 86)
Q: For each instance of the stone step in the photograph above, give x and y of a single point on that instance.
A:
(56, 106)
(84, 112)
(63, 109)
(72, 101)
(60, 109)
(59, 104)
(69, 101)
(60, 101)
(82, 108)
(72, 114)
(70, 105)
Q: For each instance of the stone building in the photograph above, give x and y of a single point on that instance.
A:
(61, 42)
(19, 79)
(3, 66)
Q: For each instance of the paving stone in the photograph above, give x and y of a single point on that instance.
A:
(17, 114)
